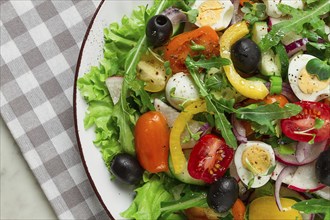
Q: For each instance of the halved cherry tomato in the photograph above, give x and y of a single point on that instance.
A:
(281, 99)
(152, 141)
(302, 126)
(180, 47)
(210, 158)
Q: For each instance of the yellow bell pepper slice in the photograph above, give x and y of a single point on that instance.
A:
(248, 88)
(178, 158)
(265, 208)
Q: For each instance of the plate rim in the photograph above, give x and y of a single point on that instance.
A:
(75, 91)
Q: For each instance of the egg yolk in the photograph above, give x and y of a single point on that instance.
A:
(209, 12)
(309, 84)
(256, 159)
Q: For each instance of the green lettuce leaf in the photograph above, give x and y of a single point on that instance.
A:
(148, 199)
(124, 44)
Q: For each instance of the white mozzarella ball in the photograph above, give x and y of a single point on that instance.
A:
(180, 90)
(304, 85)
(273, 11)
(214, 13)
(253, 160)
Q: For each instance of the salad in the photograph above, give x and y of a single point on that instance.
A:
(216, 109)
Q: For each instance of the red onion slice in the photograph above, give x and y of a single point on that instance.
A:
(288, 93)
(205, 129)
(305, 152)
(175, 15)
(296, 46)
(289, 170)
(238, 14)
(238, 129)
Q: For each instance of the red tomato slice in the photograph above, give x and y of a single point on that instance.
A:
(210, 158)
(180, 47)
(301, 126)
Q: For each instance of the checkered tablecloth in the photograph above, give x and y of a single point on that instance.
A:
(40, 42)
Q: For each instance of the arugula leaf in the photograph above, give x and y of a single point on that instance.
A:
(296, 23)
(213, 62)
(314, 206)
(264, 115)
(319, 68)
(221, 122)
(192, 197)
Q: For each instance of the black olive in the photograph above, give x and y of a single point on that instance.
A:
(126, 168)
(222, 194)
(245, 55)
(322, 167)
(159, 30)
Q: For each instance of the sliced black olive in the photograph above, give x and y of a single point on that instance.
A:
(126, 168)
(159, 30)
(322, 167)
(245, 55)
(222, 194)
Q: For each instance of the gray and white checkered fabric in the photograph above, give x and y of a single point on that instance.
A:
(40, 42)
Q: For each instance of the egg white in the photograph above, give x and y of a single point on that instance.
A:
(180, 89)
(297, 63)
(244, 174)
(225, 15)
(273, 11)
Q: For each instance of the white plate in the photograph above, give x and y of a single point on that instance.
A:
(114, 197)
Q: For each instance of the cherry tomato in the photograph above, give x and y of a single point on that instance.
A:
(281, 99)
(302, 126)
(210, 158)
(152, 141)
(179, 47)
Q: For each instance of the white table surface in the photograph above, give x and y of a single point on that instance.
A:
(21, 195)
